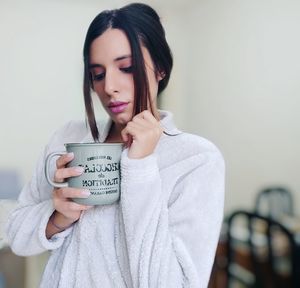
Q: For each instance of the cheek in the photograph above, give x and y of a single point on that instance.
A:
(99, 92)
(126, 83)
(98, 87)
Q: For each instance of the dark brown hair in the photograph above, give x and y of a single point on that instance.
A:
(142, 25)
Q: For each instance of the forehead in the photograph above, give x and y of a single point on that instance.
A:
(113, 43)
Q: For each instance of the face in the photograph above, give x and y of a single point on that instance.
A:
(110, 66)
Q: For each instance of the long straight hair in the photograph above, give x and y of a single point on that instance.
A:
(142, 26)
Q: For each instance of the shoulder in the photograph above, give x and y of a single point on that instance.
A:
(180, 145)
(195, 144)
(187, 147)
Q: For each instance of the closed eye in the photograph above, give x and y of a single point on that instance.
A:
(128, 69)
(98, 77)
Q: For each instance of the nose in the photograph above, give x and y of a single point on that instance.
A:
(111, 85)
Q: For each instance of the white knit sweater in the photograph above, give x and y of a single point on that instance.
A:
(162, 233)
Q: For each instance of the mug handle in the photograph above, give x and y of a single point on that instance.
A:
(47, 170)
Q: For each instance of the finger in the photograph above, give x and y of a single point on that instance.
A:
(130, 131)
(144, 126)
(147, 120)
(64, 159)
(125, 132)
(73, 206)
(137, 126)
(63, 173)
(67, 206)
(143, 123)
(69, 192)
(148, 116)
(154, 122)
(126, 137)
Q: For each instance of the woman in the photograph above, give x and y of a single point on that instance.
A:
(164, 230)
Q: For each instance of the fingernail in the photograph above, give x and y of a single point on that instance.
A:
(70, 154)
(79, 170)
(85, 193)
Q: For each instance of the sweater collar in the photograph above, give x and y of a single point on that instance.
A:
(166, 120)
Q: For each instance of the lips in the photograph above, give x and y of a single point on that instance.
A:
(117, 107)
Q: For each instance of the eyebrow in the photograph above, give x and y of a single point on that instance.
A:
(115, 60)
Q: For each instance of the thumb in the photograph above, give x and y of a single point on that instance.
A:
(126, 137)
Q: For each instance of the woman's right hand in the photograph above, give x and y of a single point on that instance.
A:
(67, 211)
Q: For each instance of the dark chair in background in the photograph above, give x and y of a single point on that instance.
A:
(261, 252)
(273, 202)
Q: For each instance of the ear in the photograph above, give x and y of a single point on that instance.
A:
(160, 75)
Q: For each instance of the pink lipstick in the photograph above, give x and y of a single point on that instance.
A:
(117, 107)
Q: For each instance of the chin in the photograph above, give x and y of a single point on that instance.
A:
(121, 119)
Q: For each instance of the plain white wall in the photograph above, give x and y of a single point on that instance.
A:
(244, 88)
(235, 81)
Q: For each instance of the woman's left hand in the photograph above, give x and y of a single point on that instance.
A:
(141, 135)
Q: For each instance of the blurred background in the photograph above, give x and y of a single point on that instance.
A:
(235, 81)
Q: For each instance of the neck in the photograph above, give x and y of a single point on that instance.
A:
(114, 134)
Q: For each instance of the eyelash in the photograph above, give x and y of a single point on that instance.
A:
(99, 77)
(128, 69)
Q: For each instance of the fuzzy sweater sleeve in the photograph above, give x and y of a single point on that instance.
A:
(172, 243)
(26, 225)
